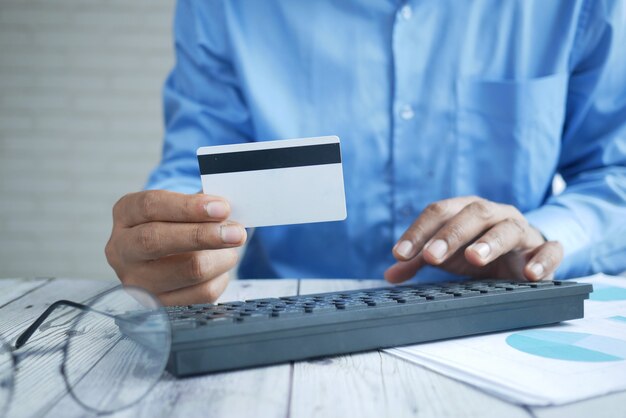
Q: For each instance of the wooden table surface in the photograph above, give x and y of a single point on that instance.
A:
(373, 384)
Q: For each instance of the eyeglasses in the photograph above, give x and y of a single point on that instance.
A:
(116, 349)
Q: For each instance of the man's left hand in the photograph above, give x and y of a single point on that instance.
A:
(471, 236)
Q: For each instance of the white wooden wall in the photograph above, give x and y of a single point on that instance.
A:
(80, 125)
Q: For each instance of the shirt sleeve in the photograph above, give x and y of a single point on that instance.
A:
(203, 104)
(589, 217)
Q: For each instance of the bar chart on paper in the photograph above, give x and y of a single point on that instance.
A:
(542, 366)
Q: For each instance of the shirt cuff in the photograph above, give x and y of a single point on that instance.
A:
(558, 223)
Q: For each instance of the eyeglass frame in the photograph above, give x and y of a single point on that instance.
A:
(25, 335)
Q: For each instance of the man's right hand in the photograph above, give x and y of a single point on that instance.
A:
(179, 247)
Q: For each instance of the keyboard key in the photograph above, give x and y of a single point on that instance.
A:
(465, 292)
(251, 317)
(541, 284)
(414, 299)
(493, 290)
(385, 302)
(288, 313)
(264, 301)
(439, 296)
(321, 308)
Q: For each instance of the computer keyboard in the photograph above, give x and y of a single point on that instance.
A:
(233, 335)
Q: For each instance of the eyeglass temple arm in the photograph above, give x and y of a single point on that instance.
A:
(23, 338)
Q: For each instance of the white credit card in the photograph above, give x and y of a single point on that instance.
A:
(292, 181)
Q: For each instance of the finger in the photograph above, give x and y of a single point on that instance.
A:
(544, 262)
(206, 292)
(428, 222)
(404, 270)
(161, 205)
(154, 240)
(504, 237)
(464, 227)
(181, 270)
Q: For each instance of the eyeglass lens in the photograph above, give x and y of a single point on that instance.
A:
(111, 361)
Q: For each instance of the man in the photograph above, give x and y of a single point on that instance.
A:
(454, 118)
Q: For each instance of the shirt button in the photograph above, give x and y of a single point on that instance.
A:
(406, 12)
(406, 112)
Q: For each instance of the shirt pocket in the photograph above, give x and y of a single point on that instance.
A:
(509, 138)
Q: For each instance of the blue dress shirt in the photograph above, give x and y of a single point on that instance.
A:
(431, 99)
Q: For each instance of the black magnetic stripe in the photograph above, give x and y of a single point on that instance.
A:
(267, 159)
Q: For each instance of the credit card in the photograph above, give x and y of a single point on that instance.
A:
(290, 181)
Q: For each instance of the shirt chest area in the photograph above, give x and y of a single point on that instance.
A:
(353, 59)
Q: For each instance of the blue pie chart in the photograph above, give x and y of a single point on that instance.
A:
(606, 293)
(569, 346)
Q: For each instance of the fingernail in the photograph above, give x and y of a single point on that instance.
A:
(537, 269)
(216, 209)
(231, 234)
(404, 248)
(438, 248)
(482, 249)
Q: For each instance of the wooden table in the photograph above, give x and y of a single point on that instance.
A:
(373, 384)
